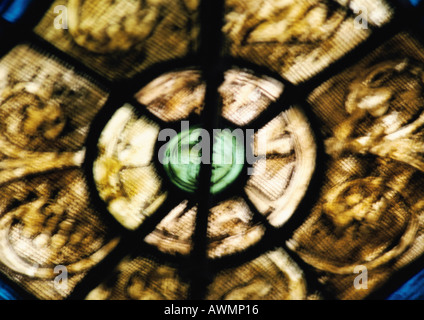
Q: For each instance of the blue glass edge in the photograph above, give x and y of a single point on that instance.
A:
(7, 292)
(413, 289)
(15, 9)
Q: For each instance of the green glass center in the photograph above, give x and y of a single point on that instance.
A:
(186, 152)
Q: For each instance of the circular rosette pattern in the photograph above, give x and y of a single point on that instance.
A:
(150, 153)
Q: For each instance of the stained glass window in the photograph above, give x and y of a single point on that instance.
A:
(226, 149)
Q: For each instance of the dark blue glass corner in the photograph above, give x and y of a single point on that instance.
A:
(415, 3)
(14, 10)
(409, 3)
(4, 5)
(8, 293)
(413, 289)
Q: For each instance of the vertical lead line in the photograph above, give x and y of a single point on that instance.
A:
(211, 19)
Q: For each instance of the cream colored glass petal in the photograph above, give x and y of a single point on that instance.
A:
(280, 179)
(125, 176)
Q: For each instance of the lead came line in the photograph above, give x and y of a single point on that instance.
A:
(211, 20)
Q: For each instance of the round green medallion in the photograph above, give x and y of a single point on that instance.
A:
(186, 152)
